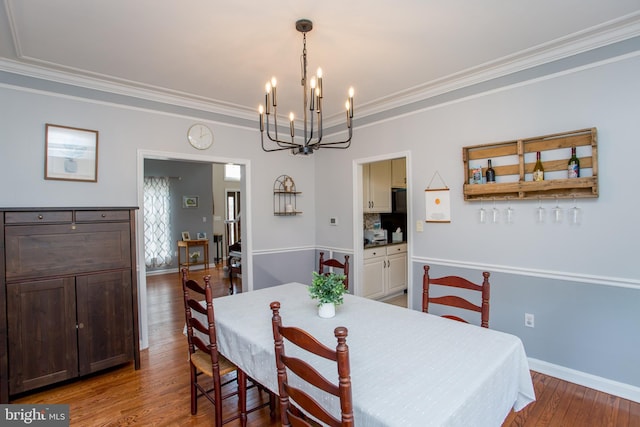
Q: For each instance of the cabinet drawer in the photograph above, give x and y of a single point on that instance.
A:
(84, 216)
(374, 252)
(396, 249)
(37, 217)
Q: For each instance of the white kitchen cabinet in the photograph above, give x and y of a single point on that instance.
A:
(396, 269)
(398, 173)
(385, 271)
(376, 178)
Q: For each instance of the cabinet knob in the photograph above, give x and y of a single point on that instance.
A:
(80, 325)
(40, 216)
(104, 215)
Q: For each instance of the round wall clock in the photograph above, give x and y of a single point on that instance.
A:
(200, 136)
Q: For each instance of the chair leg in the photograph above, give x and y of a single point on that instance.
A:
(242, 396)
(194, 395)
(272, 405)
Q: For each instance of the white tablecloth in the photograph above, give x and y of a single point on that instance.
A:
(408, 368)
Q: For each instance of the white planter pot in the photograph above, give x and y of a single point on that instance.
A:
(327, 310)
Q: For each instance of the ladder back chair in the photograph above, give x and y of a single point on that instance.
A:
(204, 358)
(291, 414)
(334, 263)
(455, 300)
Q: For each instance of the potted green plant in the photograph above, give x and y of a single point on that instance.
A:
(328, 289)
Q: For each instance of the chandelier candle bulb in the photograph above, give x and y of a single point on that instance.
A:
(291, 123)
(267, 87)
(261, 111)
(351, 102)
(314, 92)
(319, 74)
(273, 91)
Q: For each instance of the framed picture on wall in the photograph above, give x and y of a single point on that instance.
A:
(71, 154)
(438, 206)
(189, 201)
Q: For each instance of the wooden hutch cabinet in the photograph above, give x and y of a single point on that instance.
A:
(68, 300)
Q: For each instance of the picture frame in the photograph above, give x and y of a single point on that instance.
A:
(201, 235)
(438, 205)
(189, 201)
(185, 235)
(71, 154)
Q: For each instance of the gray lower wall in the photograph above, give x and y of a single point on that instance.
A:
(577, 325)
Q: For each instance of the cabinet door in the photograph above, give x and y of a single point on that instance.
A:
(366, 199)
(373, 277)
(42, 333)
(35, 251)
(396, 273)
(105, 328)
(380, 186)
(398, 173)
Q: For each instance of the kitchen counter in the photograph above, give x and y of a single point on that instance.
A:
(378, 245)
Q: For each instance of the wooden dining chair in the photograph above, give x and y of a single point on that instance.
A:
(204, 358)
(334, 263)
(293, 415)
(455, 300)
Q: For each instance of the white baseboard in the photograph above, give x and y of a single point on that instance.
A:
(626, 391)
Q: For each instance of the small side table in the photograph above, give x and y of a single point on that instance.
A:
(217, 240)
(186, 244)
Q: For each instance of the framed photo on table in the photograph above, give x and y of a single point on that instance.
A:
(71, 154)
(185, 235)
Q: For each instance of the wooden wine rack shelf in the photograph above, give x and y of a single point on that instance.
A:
(513, 162)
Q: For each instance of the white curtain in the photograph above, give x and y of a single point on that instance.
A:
(157, 220)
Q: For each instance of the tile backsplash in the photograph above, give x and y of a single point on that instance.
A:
(370, 219)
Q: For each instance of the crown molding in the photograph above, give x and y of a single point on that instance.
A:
(606, 34)
(127, 88)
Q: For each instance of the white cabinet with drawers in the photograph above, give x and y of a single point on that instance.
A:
(385, 271)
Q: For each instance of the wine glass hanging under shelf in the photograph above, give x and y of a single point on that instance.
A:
(285, 196)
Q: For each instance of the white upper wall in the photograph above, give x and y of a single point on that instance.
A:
(603, 96)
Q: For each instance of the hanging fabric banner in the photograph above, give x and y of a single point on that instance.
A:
(438, 202)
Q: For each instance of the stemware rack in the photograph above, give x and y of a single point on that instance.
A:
(513, 162)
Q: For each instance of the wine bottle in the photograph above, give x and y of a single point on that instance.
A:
(538, 169)
(490, 174)
(574, 165)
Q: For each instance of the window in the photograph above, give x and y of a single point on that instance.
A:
(232, 172)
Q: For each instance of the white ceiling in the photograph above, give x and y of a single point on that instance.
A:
(221, 53)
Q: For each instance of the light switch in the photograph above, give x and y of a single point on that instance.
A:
(419, 226)
(204, 219)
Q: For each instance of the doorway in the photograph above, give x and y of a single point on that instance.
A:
(233, 217)
(243, 199)
(382, 215)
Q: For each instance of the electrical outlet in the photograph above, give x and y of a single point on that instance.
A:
(529, 320)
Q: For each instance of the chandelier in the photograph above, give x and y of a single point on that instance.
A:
(312, 93)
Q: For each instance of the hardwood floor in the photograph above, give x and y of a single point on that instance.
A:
(158, 393)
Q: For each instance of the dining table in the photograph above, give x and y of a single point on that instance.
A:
(408, 368)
